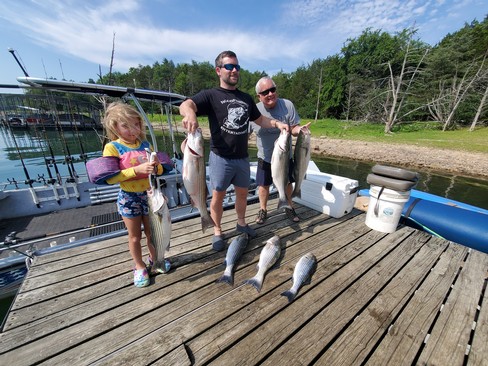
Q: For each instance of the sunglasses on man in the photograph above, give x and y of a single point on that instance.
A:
(267, 91)
(230, 67)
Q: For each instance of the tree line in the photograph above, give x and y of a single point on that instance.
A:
(377, 77)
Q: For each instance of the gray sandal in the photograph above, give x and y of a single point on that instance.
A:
(218, 244)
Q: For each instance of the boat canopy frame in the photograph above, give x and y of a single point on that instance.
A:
(168, 99)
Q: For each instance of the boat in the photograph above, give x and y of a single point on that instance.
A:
(51, 112)
(75, 192)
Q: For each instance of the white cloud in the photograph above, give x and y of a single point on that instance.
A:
(267, 37)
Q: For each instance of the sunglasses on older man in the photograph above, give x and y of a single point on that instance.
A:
(230, 67)
(267, 91)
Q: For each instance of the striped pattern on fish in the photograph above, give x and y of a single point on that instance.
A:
(301, 156)
(280, 163)
(302, 275)
(160, 226)
(270, 254)
(194, 175)
(234, 253)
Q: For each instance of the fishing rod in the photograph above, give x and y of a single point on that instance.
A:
(28, 180)
(83, 156)
(51, 180)
(67, 154)
(68, 159)
(51, 161)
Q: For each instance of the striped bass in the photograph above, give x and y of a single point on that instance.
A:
(280, 162)
(269, 255)
(234, 253)
(159, 223)
(194, 175)
(301, 156)
(302, 275)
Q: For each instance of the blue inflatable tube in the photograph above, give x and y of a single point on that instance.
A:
(462, 226)
(446, 201)
(451, 220)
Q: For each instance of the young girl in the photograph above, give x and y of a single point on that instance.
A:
(125, 128)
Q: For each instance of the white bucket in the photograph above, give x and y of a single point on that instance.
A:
(384, 211)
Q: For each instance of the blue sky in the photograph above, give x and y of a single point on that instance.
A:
(71, 39)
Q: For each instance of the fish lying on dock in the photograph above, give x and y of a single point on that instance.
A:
(194, 175)
(280, 162)
(268, 257)
(234, 253)
(302, 275)
(301, 156)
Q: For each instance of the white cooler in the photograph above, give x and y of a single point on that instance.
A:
(330, 194)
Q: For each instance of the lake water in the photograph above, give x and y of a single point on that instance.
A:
(35, 146)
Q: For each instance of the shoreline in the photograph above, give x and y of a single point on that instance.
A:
(453, 162)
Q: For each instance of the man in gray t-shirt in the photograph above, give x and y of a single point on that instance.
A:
(282, 110)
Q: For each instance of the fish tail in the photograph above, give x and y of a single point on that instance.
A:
(207, 222)
(290, 295)
(161, 266)
(297, 193)
(227, 279)
(255, 282)
(283, 203)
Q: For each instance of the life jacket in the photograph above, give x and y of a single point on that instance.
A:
(131, 157)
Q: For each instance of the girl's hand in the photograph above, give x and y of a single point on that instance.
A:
(146, 168)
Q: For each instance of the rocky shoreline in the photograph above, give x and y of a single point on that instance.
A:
(406, 156)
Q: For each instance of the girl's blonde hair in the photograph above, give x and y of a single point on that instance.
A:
(122, 113)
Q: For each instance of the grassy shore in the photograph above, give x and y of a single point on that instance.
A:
(420, 134)
(415, 146)
(425, 134)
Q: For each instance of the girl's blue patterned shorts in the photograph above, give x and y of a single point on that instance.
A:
(132, 204)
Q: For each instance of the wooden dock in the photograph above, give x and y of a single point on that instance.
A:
(377, 299)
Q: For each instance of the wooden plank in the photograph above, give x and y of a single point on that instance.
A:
(331, 256)
(177, 357)
(360, 339)
(202, 306)
(57, 306)
(404, 339)
(69, 253)
(479, 349)
(449, 339)
(67, 269)
(338, 276)
(343, 309)
(130, 310)
(372, 291)
(46, 295)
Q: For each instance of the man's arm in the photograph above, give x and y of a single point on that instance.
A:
(188, 110)
(266, 122)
